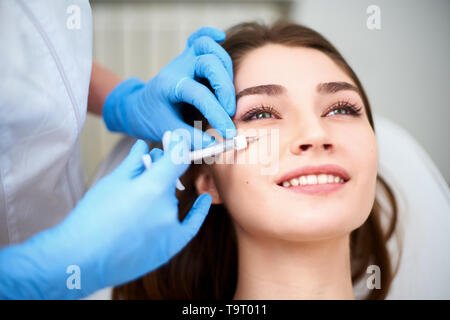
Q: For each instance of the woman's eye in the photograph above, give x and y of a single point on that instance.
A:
(262, 115)
(344, 110)
(262, 112)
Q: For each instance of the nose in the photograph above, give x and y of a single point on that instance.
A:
(311, 137)
(305, 147)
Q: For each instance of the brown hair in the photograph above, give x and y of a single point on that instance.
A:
(207, 267)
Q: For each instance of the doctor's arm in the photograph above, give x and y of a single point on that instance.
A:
(103, 82)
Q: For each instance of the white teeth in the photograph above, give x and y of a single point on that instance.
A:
(312, 179)
(303, 180)
(322, 178)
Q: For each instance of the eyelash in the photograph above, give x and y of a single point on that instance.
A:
(345, 105)
(258, 110)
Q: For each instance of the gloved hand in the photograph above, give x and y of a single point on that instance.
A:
(125, 226)
(147, 110)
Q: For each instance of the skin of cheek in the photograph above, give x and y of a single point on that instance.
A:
(244, 190)
(365, 160)
(261, 208)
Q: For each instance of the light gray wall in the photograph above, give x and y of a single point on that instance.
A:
(404, 67)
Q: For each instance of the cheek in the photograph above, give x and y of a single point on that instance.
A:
(363, 151)
(230, 180)
(364, 154)
(261, 157)
(243, 193)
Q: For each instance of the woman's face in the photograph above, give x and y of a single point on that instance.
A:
(305, 119)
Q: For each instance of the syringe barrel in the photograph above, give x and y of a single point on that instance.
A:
(211, 151)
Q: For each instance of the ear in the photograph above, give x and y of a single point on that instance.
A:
(204, 183)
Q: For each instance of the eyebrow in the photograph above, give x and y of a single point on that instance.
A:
(267, 89)
(276, 89)
(333, 87)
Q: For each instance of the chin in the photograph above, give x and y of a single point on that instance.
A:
(311, 226)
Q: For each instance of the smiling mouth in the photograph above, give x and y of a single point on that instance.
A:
(315, 183)
(313, 179)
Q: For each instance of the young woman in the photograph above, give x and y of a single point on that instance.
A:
(309, 229)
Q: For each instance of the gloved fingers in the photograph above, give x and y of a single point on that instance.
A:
(132, 165)
(210, 67)
(166, 138)
(206, 45)
(215, 34)
(166, 141)
(198, 138)
(196, 94)
(196, 216)
(156, 154)
(171, 165)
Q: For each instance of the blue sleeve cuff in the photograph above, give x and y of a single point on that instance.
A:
(114, 109)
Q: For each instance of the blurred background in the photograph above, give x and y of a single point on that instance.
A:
(403, 66)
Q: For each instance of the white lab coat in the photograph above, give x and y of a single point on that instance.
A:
(45, 66)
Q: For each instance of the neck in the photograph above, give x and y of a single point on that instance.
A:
(273, 269)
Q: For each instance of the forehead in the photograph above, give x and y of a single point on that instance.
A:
(296, 68)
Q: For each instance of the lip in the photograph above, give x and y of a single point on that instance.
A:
(306, 170)
(317, 188)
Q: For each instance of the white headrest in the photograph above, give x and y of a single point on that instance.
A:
(423, 197)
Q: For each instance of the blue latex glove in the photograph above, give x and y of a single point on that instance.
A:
(147, 110)
(125, 226)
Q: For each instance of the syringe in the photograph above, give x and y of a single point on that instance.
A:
(237, 143)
